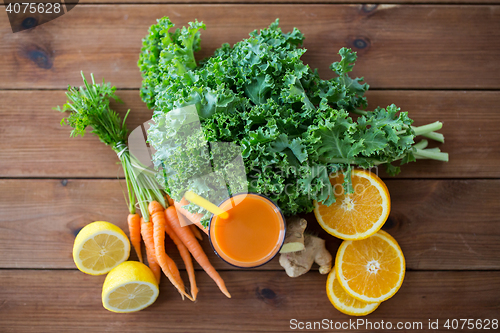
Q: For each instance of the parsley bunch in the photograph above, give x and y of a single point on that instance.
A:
(293, 127)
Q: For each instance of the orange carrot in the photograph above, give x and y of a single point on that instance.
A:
(170, 200)
(196, 232)
(167, 265)
(194, 247)
(193, 217)
(134, 228)
(171, 213)
(147, 236)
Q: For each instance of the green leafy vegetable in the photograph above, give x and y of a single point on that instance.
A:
(89, 106)
(293, 127)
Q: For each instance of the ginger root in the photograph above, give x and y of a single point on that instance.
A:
(294, 238)
(298, 263)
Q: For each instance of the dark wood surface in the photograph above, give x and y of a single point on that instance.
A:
(400, 46)
(438, 60)
(235, 2)
(262, 302)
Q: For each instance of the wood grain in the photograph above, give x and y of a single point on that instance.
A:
(399, 46)
(53, 301)
(450, 224)
(302, 2)
(33, 144)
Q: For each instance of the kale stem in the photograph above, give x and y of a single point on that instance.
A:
(434, 136)
(360, 112)
(421, 130)
(433, 155)
(436, 150)
(421, 145)
(427, 131)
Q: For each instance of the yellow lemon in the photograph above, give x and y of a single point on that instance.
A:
(99, 247)
(129, 287)
(343, 302)
(371, 269)
(360, 214)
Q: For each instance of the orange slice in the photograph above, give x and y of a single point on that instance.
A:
(360, 214)
(343, 302)
(372, 269)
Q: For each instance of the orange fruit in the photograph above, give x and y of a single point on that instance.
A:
(360, 214)
(372, 269)
(343, 302)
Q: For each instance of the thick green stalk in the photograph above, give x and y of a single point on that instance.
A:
(432, 127)
(422, 144)
(431, 154)
(434, 136)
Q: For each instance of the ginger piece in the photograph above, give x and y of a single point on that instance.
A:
(294, 238)
(298, 263)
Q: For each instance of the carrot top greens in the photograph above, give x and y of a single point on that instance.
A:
(89, 106)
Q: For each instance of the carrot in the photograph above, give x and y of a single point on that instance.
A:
(147, 236)
(193, 217)
(170, 200)
(134, 228)
(196, 232)
(171, 213)
(167, 265)
(194, 247)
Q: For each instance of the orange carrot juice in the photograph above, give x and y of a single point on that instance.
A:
(253, 233)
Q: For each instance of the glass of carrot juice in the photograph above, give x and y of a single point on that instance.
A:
(252, 235)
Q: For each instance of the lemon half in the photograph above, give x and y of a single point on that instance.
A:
(99, 247)
(129, 287)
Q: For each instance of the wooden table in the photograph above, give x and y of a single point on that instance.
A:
(437, 60)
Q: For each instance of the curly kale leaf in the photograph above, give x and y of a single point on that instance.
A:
(165, 51)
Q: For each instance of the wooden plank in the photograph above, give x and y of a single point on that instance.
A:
(440, 224)
(52, 301)
(283, 2)
(35, 145)
(399, 46)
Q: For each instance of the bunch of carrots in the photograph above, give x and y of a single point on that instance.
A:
(185, 238)
(89, 106)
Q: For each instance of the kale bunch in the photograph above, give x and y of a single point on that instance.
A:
(293, 127)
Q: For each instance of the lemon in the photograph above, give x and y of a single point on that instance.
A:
(99, 247)
(343, 302)
(129, 287)
(357, 215)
